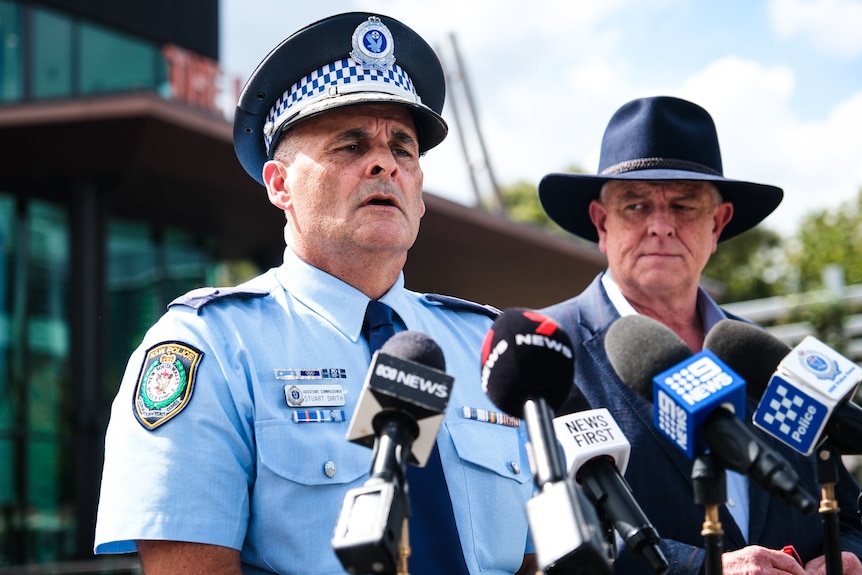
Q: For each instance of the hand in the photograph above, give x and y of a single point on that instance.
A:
(850, 565)
(757, 560)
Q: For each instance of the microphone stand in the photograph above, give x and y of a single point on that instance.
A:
(827, 477)
(404, 550)
(371, 534)
(710, 490)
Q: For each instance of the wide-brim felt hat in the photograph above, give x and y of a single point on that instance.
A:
(657, 138)
(343, 60)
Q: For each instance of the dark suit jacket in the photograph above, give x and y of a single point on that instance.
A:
(660, 474)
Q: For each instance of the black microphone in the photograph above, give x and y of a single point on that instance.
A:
(647, 356)
(527, 372)
(756, 354)
(399, 411)
(596, 449)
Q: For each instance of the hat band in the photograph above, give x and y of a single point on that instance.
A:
(336, 79)
(657, 163)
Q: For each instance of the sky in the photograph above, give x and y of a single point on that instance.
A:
(781, 78)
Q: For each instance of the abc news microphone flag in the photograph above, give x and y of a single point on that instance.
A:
(395, 383)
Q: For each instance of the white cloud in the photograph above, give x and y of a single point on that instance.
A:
(832, 26)
(764, 140)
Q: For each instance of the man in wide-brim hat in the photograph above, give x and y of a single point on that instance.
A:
(658, 207)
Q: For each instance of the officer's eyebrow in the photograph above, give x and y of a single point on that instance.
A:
(353, 134)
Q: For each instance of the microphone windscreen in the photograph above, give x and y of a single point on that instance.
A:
(417, 347)
(526, 356)
(640, 348)
(750, 351)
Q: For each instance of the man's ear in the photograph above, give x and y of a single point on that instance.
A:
(275, 178)
(722, 217)
(598, 215)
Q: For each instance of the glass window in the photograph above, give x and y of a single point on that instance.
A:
(52, 54)
(144, 274)
(50, 501)
(9, 402)
(187, 266)
(110, 61)
(131, 274)
(10, 52)
(36, 504)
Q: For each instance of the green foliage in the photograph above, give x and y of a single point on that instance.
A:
(826, 238)
(749, 266)
(521, 203)
(828, 320)
(235, 272)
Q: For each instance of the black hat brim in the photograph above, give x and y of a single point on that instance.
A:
(566, 198)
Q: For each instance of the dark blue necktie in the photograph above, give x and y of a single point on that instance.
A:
(378, 324)
(432, 522)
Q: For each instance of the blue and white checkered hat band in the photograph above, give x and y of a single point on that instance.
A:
(336, 79)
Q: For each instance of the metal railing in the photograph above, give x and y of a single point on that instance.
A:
(773, 314)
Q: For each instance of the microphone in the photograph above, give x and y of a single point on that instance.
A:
(527, 371)
(399, 411)
(801, 412)
(698, 403)
(406, 377)
(598, 453)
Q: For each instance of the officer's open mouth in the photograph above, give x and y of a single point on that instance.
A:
(381, 202)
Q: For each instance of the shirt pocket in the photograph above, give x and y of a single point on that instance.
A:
(490, 500)
(311, 454)
(490, 447)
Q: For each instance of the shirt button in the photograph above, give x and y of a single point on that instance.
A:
(329, 469)
(515, 467)
(731, 503)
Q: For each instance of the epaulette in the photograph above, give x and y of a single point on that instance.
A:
(197, 298)
(458, 303)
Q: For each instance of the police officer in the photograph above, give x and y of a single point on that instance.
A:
(226, 448)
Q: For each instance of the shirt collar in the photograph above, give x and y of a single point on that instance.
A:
(334, 300)
(710, 312)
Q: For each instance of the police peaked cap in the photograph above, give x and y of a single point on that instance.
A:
(347, 59)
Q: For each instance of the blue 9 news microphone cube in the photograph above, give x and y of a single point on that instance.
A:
(686, 394)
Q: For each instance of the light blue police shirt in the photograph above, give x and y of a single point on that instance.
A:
(236, 466)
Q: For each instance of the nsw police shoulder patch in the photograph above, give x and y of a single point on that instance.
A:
(166, 382)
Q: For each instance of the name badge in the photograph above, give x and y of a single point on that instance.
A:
(314, 395)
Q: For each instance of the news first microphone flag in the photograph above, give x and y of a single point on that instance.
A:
(803, 392)
(585, 435)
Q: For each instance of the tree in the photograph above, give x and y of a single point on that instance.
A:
(829, 238)
(750, 266)
(521, 204)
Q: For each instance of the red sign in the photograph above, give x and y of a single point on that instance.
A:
(193, 78)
